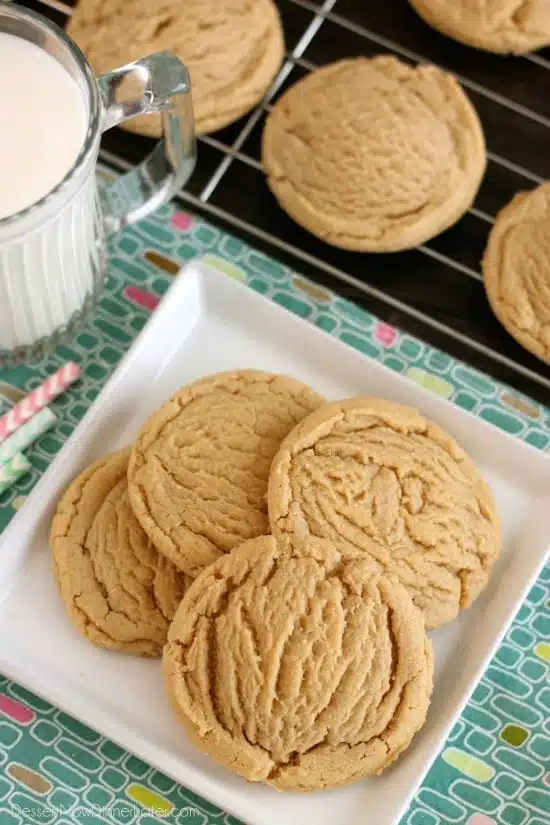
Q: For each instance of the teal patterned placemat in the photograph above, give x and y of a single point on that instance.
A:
(495, 766)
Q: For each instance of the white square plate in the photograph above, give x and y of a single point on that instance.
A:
(205, 324)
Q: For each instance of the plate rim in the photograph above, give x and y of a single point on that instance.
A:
(108, 726)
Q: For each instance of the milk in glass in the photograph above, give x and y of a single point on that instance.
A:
(45, 274)
(53, 219)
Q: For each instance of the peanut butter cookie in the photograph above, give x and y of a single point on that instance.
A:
(232, 48)
(373, 154)
(298, 664)
(380, 479)
(117, 590)
(516, 269)
(199, 468)
(501, 26)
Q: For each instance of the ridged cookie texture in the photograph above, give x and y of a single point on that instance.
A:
(232, 48)
(371, 154)
(298, 665)
(516, 269)
(501, 26)
(117, 590)
(380, 479)
(199, 467)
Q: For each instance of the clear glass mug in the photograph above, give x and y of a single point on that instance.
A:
(53, 254)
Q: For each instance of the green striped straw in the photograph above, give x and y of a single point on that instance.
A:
(26, 434)
(13, 469)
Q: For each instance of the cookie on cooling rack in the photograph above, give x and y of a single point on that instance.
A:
(516, 269)
(232, 48)
(117, 590)
(298, 664)
(497, 26)
(374, 155)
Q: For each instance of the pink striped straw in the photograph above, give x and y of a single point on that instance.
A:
(38, 399)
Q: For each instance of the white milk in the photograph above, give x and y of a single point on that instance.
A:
(42, 123)
(48, 266)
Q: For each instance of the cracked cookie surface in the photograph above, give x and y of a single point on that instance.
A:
(382, 480)
(298, 664)
(199, 467)
(516, 269)
(117, 590)
(501, 26)
(371, 154)
(232, 48)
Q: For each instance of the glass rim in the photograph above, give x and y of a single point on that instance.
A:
(9, 10)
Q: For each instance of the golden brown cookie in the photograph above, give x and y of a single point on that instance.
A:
(378, 478)
(232, 48)
(298, 664)
(374, 155)
(516, 269)
(501, 26)
(199, 468)
(117, 590)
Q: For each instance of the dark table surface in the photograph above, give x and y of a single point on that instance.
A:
(434, 291)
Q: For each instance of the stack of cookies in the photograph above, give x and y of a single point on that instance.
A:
(284, 556)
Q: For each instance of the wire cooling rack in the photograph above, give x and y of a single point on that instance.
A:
(434, 291)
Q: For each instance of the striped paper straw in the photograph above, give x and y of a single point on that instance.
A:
(13, 469)
(38, 399)
(27, 434)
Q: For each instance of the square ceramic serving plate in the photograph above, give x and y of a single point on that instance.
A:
(208, 323)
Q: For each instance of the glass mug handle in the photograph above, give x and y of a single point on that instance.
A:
(158, 83)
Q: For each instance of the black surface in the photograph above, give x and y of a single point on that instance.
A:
(432, 298)
(514, 78)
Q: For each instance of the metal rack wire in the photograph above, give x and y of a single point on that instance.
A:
(513, 98)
